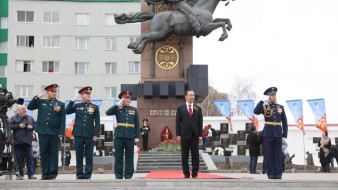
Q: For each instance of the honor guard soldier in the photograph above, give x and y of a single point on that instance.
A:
(50, 127)
(126, 134)
(85, 131)
(275, 128)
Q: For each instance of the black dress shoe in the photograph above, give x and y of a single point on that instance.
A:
(186, 176)
(194, 176)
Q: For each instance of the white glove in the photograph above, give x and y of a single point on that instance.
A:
(119, 103)
(137, 139)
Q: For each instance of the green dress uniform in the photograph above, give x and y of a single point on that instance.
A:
(50, 124)
(86, 126)
(127, 130)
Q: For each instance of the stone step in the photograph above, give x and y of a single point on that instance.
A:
(170, 184)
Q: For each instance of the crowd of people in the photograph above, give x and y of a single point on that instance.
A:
(32, 150)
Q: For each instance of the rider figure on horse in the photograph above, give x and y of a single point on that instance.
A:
(184, 8)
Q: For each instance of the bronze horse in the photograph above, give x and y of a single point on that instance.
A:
(174, 22)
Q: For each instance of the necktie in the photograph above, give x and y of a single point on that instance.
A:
(190, 111)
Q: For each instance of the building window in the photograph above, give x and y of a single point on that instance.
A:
(111, 43)
(81, 68)
(82, 19)
(3, 71)
(111, 68)
(24, 66)
(110, 92)
(25, 16)
(3, 47)
(51, 17)
(110, 20)
(82, 43)
(51, 41)
(25, 41)
(134, 39)
(4, 23)
(58, 91)
(23, 91)
(50, 66)
(134, 67)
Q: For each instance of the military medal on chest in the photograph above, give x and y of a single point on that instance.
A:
(279, 110)
(91, 109)
(57, 108)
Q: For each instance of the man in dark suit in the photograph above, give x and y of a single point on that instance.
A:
(189, 122)
(254, 149)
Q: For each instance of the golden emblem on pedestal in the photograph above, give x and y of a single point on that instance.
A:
(166, 57)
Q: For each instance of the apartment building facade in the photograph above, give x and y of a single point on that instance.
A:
(73, 43)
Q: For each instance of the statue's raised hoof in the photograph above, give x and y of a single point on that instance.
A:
(229, 27)
(132, 45)
(136, 51)
(223, 37)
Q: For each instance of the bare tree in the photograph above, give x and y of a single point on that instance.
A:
(242, 89)
(208, 106)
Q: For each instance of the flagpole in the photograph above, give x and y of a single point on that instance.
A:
(62, 155)
(304, 150)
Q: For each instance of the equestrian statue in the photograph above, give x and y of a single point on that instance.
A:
(191, 18)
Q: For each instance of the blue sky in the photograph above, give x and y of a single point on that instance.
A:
(292, 45)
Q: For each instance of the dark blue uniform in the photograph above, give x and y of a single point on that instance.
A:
(276, 127)
(86, 126)
(50, 124)
(127, 130)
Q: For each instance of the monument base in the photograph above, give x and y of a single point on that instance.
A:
(160, 112)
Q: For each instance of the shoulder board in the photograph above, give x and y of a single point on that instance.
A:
(60, 101)
(94, 103)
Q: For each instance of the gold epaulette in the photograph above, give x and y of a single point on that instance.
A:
(60, 100)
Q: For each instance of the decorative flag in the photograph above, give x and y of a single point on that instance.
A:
(247, 107)
(223, 107)
(296, 108)
(318, 109)
(70, 119)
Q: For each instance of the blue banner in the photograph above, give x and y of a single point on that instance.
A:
(318, 109)
(247, 107)
(116, 101)
(70, 119)
(223, 106)
(296, 108)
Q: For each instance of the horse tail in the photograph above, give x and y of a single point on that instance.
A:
(137, 17)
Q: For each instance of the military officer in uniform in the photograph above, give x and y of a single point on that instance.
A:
(275, 128)
(85, 131)
(50, 127)
(126, 134)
